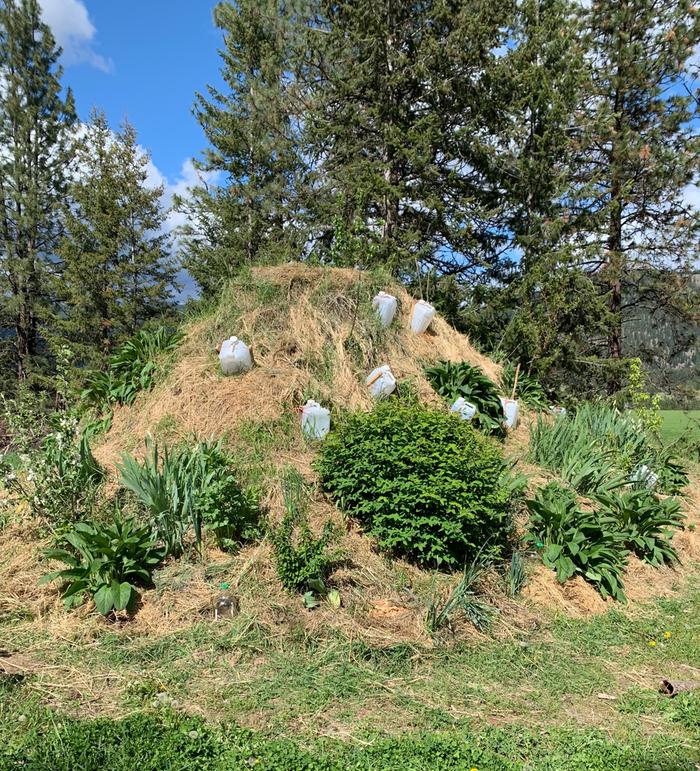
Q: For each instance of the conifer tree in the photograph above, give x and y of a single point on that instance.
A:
(118, 273)
(249, 212)
(35, 142)
(404, 111)
(548, 313)
(643, 152)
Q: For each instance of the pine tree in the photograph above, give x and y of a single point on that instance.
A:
(118, 273)
(642, 154)
(249, 213)
(404, 109)
(35, 140)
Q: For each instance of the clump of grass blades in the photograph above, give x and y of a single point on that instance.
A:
(464, 598)
(189, 487)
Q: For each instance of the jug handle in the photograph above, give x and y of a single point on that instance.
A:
(374, 379)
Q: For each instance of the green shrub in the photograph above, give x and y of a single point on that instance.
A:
(574, 541)
(646, 521)
(190, 488)
(106, 562)
(303, 561)
(452, 380)
(422, 482)
(132, 368)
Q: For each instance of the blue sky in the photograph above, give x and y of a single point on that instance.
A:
(144, 61)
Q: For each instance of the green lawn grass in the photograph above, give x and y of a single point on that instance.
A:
(676, 422)
(240, 695)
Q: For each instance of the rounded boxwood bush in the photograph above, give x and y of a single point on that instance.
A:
(424, 483)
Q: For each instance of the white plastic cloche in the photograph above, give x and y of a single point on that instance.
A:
(315, 420)
(381, 381)
(385, 304)
(423, 314)
(234, 357)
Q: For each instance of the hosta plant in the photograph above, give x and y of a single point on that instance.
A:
(573, 541)
(105, 562)
(452, 380)
(646, 521)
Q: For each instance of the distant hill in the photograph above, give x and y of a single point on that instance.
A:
(669, 346)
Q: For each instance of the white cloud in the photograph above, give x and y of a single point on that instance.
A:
(74, 32)
(188, 177)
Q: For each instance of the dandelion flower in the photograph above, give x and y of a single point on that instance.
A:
(667, 635)
(652, 643)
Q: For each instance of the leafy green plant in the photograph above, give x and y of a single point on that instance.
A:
(190, 487)
(106, 562)
(646, 521)
(515, 577)
(574, 541)
(452, 380)
(463, 598)
(60, 479)
(423, 483)
(646, 408)
(672, 475)
(132, 368)
(303, 561)
(528, 389)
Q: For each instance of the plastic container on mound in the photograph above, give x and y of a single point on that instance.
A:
(423, 314)
(381, 382)
(315, 420)
(234, 357)
(645, 476)
(385, 304)
(511, 410)
(466, 410)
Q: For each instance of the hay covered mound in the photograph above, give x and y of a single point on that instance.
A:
(313, 334)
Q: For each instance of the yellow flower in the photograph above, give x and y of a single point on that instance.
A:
(667, 635)
(652, 643)
(473, 768)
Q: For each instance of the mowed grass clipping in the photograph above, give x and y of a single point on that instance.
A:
(677, 422)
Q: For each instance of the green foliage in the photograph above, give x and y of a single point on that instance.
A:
(646, 521)
(528, 389)
(303, 561)
(425, 484)
(597, 448)
(173, 741)
(646, 408)
(189, 487)
(60, 479)
(452, 380)
(672, 476)
(107, 562)
(516, 577)
(117, 270)
(463, 598)
(132, 368)
(574, 541)
(37, 119)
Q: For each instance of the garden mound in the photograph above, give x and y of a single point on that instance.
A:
(312, 333)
